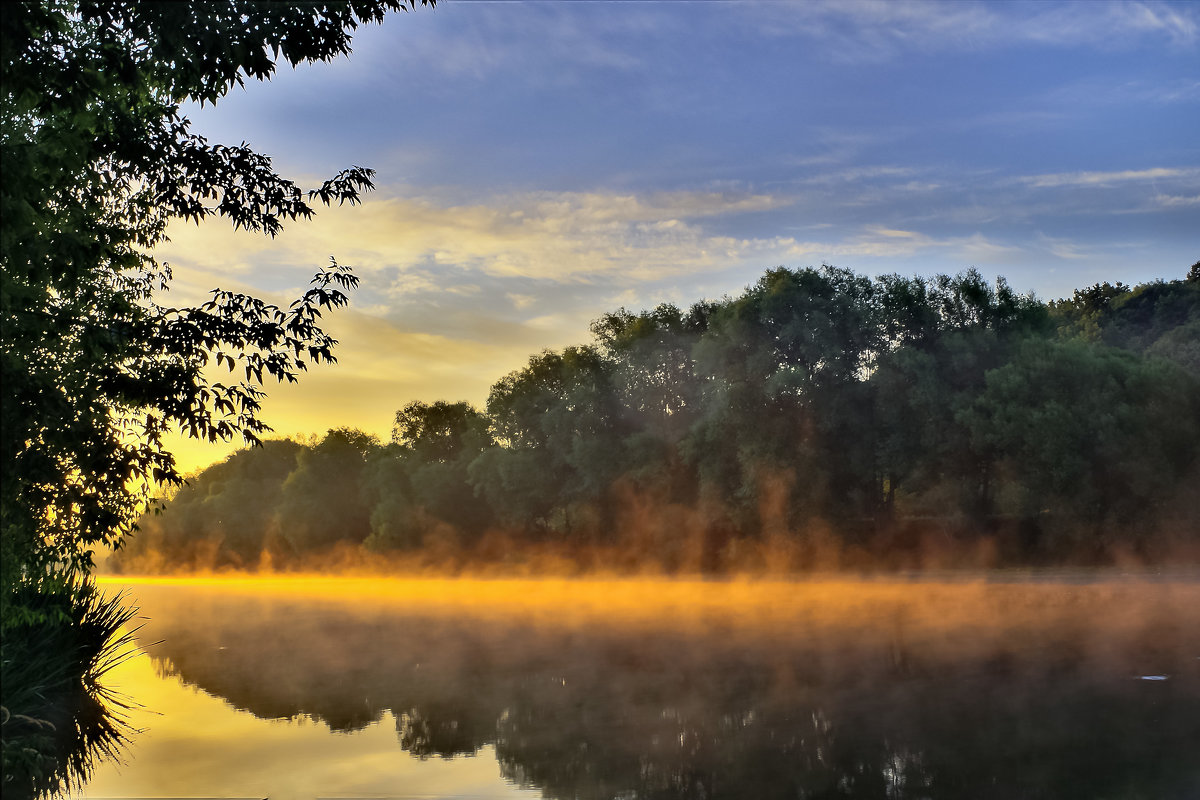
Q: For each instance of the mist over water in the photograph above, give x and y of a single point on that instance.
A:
(1056, 685)
(821, 420)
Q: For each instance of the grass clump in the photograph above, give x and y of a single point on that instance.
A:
(57, 719)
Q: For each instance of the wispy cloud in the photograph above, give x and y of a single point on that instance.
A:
(1177, 201)
(530, 270)
(860, 174)
(1103, 91)
(565, 236)
(875, 30)
(882, 243)
(979, 249)
(455, 295)
(540, 164)
(1180, 24)
(477, 41)
(1108, 178)
(1063, 248)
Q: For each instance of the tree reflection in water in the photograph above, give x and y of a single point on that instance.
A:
(987, 691)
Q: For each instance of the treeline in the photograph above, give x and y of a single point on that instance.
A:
(822, 418)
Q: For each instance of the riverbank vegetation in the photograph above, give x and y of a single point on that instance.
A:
(820, 419)
(59, 718)
(99, 159)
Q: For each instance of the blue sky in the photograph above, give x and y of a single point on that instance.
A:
(541, 163)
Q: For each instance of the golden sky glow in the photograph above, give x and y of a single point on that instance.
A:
(541, 164)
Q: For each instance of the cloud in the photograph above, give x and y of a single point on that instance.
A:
(478, 41)
(1106, 179)
(1179, 24)
(561, 45)
(562, 237)
(859, 174)
(883, 243)
(1063, 248)
(455, 294)
(1177, 201)
(381, 366)
(1103, 91)
(875, 30)
(978, 249)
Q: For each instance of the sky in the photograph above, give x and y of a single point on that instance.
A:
(540, 164)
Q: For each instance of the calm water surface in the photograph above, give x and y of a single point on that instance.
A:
(994, 687)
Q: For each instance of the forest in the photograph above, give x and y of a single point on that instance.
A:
(821, 419)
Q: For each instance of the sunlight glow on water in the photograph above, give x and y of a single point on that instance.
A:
(649, 598)
(996, 685)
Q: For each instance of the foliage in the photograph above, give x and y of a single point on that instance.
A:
(57, 717)
(440, 431)
(319, 502)
(818, 400)
(98, 159)
(1089, 435)
(1160, 319)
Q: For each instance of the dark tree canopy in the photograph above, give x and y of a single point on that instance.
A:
(97, 160)
(818, 409)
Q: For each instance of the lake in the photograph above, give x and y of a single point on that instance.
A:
(1004, 685)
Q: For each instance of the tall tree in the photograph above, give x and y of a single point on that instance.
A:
(438, 442)
(322, 500)
(558, 422)
(1097, 441)
(98, 159)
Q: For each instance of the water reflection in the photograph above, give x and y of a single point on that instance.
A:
(596, 690)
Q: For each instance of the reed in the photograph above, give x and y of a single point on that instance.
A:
(57, 719)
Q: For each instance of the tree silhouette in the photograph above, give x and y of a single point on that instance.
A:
(98, 159)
